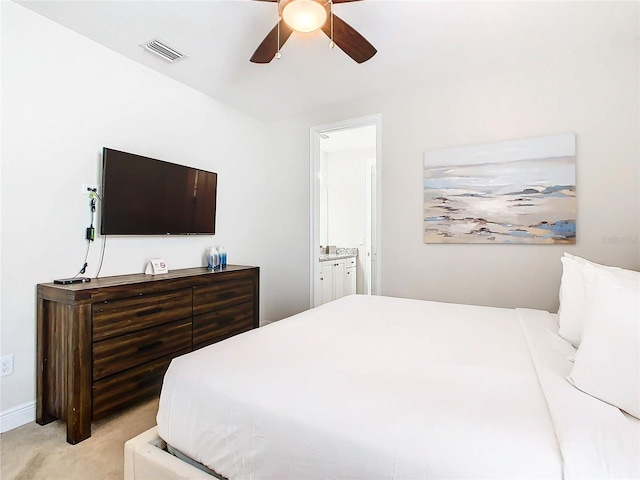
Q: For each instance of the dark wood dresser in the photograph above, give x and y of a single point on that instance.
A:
(106, 344)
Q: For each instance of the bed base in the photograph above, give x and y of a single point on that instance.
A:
(146, 458)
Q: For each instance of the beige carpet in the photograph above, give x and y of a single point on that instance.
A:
(35, 452)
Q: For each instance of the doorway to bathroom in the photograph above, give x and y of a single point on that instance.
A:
(345, 207)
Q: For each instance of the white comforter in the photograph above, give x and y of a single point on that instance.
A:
(388, 388)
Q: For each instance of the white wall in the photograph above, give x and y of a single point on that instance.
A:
(64, 97)
(346, 198)
(592, 91)
(346, 178)
(323, 208)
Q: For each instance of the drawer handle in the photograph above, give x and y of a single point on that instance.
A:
(151, 311)
(150, 346)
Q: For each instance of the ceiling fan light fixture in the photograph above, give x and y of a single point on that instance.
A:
(304, 15)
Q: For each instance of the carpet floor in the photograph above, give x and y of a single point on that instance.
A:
(35, 452)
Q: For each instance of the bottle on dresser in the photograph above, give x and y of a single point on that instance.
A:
(222, 254)
(213, 259)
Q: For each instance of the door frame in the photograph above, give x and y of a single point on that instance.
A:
(314, 196)
(370, 169)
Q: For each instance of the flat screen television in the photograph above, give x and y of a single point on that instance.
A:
(145, 196)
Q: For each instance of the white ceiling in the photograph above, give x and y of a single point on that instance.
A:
(418, 42)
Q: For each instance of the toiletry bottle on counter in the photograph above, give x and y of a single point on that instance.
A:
(213, 259)
(209, 259)
(222, 254)
(216, 258)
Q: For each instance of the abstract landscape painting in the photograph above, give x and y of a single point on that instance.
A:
(520, 191)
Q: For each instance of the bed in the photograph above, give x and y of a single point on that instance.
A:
(379, 387)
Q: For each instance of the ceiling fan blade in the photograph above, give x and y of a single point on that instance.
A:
(269, 46)
(348, 39)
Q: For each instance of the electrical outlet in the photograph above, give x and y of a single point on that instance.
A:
(6, 365)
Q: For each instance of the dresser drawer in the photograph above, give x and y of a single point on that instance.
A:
(118, 391)
(222, 294)
(118, 354)
(117, 317)
(223, 323)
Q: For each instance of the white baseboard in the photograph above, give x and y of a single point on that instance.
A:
(17, 416)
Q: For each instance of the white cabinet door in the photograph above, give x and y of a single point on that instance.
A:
(326, 281)
(350, 282)
(339, 274)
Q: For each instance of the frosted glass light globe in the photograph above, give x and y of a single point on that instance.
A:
(304, 15)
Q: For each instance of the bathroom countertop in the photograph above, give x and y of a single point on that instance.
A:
(325, 257)
(339, 255)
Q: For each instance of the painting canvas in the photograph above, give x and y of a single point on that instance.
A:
(520, 191)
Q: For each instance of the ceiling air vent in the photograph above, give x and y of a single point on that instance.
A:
(164, 50)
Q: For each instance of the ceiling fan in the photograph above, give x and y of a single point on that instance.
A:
(308, 16)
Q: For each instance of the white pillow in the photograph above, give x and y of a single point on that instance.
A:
(572, 311)
(607, 364)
